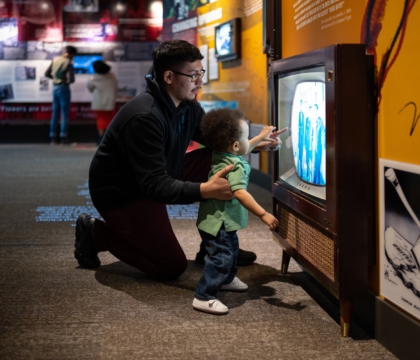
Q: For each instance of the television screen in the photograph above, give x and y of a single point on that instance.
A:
(224, 39)
(82, 63)
(227, 40)
(308, 131)
(301, 108)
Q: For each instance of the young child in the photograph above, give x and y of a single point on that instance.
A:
(226, 133)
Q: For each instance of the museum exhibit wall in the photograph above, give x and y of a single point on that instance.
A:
(390, 31)
(123, 33)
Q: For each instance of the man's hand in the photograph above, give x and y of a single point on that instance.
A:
(271, 145)
(217, 187)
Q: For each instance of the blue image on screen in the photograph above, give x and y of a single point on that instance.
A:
(224, 39)
(309, 132)
(82, 63)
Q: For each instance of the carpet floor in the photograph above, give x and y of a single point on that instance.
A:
(52, 309)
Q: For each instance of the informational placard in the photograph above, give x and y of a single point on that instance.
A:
(400, 234)
(314, 24)
(204, 52)
(26, 94)
(24, 81)
(213, 65)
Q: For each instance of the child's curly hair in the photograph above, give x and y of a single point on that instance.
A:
(221, 127)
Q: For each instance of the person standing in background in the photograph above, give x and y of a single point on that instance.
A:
(103, 86)
(61, 72)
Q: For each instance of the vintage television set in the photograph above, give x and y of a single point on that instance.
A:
(82, 63)
(227, 40)
(324, 174)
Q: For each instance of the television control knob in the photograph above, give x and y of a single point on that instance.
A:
(327, 223)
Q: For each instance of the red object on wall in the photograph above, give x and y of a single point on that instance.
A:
(39, 20)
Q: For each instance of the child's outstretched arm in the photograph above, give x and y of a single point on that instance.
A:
(269, 145)
(264, 135)
(249, 203)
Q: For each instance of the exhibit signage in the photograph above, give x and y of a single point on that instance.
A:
(400, 234)
(319, 23)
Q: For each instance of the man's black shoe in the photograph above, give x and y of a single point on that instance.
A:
(245, 258)
(85, 252)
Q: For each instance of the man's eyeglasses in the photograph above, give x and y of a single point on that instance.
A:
(194, 77)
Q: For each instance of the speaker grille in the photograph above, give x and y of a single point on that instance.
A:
(316, 246)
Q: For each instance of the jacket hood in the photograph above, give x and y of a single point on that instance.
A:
(158, 91)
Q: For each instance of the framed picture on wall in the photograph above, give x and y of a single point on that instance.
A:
(204, 51)
(399, 234)
(213, 65)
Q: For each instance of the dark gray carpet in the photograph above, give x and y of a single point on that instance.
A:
(51, 309)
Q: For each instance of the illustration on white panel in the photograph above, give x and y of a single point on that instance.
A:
(400, 234)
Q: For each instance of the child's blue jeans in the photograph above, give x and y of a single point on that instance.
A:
(220, 263)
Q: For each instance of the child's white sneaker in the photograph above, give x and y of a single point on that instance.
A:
(235, 285)
(212, 306)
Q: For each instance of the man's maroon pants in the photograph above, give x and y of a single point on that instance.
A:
(141, 234)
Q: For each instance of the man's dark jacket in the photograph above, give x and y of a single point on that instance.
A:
(142, 152)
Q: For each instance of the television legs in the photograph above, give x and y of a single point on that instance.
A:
(285, 262)
(346, 309)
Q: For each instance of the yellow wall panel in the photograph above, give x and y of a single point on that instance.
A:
(314, 24)
(243, 80)
(399, 109)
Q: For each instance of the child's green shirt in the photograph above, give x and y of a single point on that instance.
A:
(212, 213)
